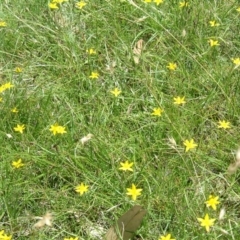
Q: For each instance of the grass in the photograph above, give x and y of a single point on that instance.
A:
(54, 87)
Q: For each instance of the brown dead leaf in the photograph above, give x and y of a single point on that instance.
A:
(233, 167)
(137, 50)
(86, 138)
(45, 220)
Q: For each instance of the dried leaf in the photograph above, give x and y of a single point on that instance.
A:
(126, 225)
(233, 167)
(137, 50)
(45, 220)
(86, 138)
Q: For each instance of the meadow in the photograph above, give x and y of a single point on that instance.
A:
(108, 104)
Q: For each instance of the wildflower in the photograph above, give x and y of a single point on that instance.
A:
(157, 112)
(5, 86)
(76, 238)
(206, 222)
(53, 5)
(238, 9)
(213, 43)
(91, 51)
(81, 4)
(57, 129)
(81, 188)
(126, 166)
(14, 110)
(3, 24)
(183, 4)
(134, 192)
(224, 124)
(189, 144)
(59, 1)
(167, 237)
(212, 202)
(4, 236)
(17, 164)
(147, 1)
(94, 75)
(172, 66)
(19, 128)
(18, 70)
(158, 2)
(236, 61)
(116, 92)
(179, 100)
(213, 23)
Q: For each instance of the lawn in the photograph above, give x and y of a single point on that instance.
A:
(108, 104)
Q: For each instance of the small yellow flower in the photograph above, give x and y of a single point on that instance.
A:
(3, 24)
(212, 202)
(94, 75)
(5, 86)
(53, 6)
(134, 192)
(18, 70)
(183, 4)
(57, 129)
(71, 238)
(59, 1)
(157, 112)
(91, 51)
(189, 145)
(81, 4)
(172, 66)
(236, 61)
(116, 92)
(14, 110)
(224, 124)
(81, 188)
(206, 222)
(158, 2)
(167, 237)
(179, 100)
(238, 9)
(4, 236)
(147, 1)
(126, 166)
(19, 128)
(213, 43)
(213, 23)
(17, 164)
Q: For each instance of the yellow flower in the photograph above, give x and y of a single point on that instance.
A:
(213, 23)
(4, 236)
(3, 24)
(71, 238)
(18, 70)
(5, 86)
(157, 112)
(126, 166)
(19, 128)
(91, 51)
(57, 129)
(17, 164)
(81, 188)
(212, 202)
(167, 237)
(189, 144)
(238, 9)
(53, 6)
(213, 43)
(59, 1)
(236, 61)
(116, 92)
(224, 124)
(14, 110)
(179, 100)
(134, 192)
(147, 1)
(172, 66)
(206, 222)
(158, 2)
(81, 4)
(94, 75)
(183, 4)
